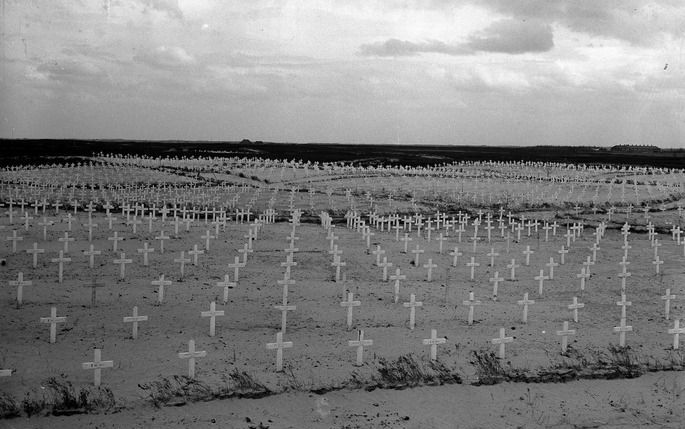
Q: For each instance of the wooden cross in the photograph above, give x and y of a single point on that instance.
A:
(562, 252)
(115, 239)
(360, 343)
(656, 263)
(97, 365)
(20, 283)
(492, 255)
(430, 265)
(496, 279)
(441, 239)
(160, 287)
(34, 251)
(551, 264)
(14, 238)
(191, 355)
(471, 303)
(226, 284)
(337, 263)
(564, 333)
(667, 305)
(455, 256)
(350, 304)
(406, 239)
(236, 267)
(418, 251)
(412, 304)
(501, 341)
(528, 252)
(122, 261)
(525, 302)
(434, 341)
(397, 277)
(473, 264)
(385, 265)
(541, 279)
(183, 261)
(622, 329)
(212, 314)
(134, 320)
(575, 306)
(45, 223)
(91, 253)
(623, 304)
(61, 260)
(676, 331)
(284, 308)
(279, 345)
(512, 266)
(195, 253)
(145, 250)
(53, 320)
(378, 253)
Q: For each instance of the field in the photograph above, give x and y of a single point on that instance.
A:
(485, 213)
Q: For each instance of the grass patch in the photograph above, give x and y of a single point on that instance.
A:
(408, 371)
(8, 407)
(59, 397)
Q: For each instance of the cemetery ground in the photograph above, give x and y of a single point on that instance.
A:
(323, 383)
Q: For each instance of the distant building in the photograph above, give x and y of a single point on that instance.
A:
(634, 148)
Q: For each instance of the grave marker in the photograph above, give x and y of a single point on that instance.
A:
(160, 287)
(501, 341)
(360, 343)
(53, 320)
(97, 366)
(434, 341)
(350, 304)
(212, 314)
(564, 333)
(676, 331)
(134, 319)
(20, 283)
(191, 355)
(471, 303)
(525, 302)
(412, 304)
(279, 345)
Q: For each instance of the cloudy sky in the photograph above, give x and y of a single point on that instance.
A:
(496, 72)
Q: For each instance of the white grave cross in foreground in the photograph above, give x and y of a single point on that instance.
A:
(191, 355)
(97, 365)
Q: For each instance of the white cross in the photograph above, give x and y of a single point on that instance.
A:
(492, 255)
(502, 340)
(528, 252)
(284, 308)
(564, 333)
(385, 265)
(525, 302)
(161, 237)
(195, 253)
(473, 264)
(412, 304)
(61, 260)
(236, 267)
(397, 277)
(416, 253)
(562, 252)
(541, 279)
(676, 331)
(350, 304)
(226, 284)
(191, 355)
(337, 263)
(471, 303)
(14, 238)
(360, 343)
(183, 261)
(657, 262)
(20, 283)
(134, 320)
(512, 266)
(378, 253)
(34, 251)
(279, 345)
(575, 306)
(91, 253)
(430, 265)
(208, 237)
(551, 264)
(667, 305)
(623, 304)
(434, 341)
(145, 250)
(212, 314)
(53, 320)
(115, 239)
(455, 256)
(160, 287)
(496, 279)
(97, 365)
(122, 261)
(622, 329)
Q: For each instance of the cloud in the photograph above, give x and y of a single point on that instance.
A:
(165, 57)
(512, 36)
(505, 36)
(169, 6)
(398, 48)
(634, 21)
